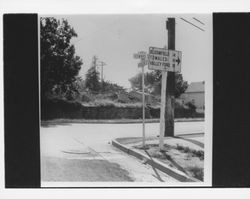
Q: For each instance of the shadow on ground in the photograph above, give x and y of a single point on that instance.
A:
(61, 169)
(47, 124)
(167, 157)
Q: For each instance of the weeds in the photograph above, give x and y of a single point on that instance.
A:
(195, 153)
(190, 166)
(196, 172)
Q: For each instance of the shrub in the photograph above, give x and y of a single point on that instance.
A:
(58, 108)
(180, 112)
(191, 106)
(104, 103)
(113, 96)
(195, 153)
(196, 172)
(85, 98)
(102, 109)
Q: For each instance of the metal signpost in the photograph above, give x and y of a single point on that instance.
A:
(164, 60)
(142, 56)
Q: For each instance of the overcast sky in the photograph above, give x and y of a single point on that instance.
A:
(115, 38)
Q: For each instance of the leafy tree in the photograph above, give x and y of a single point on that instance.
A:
(111, 87)
(92, 81)
(191, 106)
(180, 85)
(59, 64)
(152, 82)
(80, 84)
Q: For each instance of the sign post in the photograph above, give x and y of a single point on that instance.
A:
(163, 101)
(142, 56)
(167, 61)
(143, 108)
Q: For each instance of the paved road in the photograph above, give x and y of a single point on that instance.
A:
(83, 152)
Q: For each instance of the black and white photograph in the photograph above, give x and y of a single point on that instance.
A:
(125, 100)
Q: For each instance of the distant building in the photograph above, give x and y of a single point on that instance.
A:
(195, 94)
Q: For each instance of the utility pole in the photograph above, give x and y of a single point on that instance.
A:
(102, 64)
(170, 99)
(94, 62)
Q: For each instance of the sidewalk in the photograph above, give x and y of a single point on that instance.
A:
(182, 158)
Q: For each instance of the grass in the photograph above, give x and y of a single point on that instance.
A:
(192, 152)
(196, 172)
(185, 159)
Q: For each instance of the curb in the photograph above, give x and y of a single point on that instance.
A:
(154, 163)
(189, 120)
(118, 121)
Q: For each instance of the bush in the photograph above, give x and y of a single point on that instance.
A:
(195, 153)
(113, 96)
(191, 106)
(103, 109)
(58, 108)
(196, 172)
(85, 98)
(180, 112)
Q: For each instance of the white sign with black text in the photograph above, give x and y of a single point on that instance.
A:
(142, 55)
(164, 59)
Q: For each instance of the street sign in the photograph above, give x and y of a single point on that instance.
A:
(141, 55)
(164, 59)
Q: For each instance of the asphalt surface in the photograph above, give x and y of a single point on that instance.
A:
(83, 152)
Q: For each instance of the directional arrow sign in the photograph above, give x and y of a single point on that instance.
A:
(175, 60)
(164, 59)
(178, 61)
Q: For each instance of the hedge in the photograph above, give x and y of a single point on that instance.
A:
(58, 108)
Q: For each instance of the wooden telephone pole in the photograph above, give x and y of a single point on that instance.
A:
(102, 64)
(170, 99)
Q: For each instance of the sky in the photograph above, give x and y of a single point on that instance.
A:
(115, 38)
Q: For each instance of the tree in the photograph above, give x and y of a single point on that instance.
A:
(180, 85)
(150, 80)
(92, 81)
(191, 106)
(59, 64)
(153, 83)
(109, 87)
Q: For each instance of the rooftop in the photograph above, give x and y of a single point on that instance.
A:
(196, 87)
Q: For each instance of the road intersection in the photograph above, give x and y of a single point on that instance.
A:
(83, 152)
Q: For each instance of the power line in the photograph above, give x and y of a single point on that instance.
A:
(198, 20)
(192, 24)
